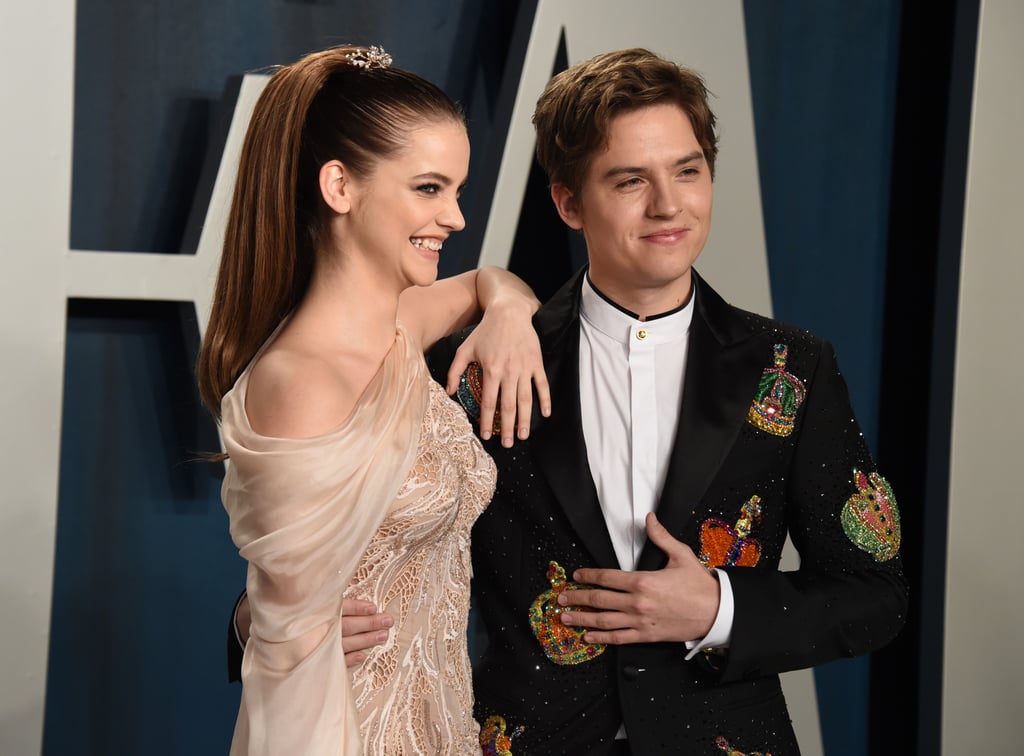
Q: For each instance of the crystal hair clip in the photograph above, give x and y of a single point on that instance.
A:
(369, 57)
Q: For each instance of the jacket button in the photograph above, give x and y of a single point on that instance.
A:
(630, 672)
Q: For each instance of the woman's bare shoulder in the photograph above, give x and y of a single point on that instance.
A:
(297, 394)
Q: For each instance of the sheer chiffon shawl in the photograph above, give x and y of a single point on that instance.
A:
(302, 513)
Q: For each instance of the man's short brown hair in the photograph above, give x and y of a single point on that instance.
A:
(575, 111)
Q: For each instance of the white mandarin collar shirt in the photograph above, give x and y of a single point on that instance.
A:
(631, 391)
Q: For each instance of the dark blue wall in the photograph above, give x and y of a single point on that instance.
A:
(146, 572)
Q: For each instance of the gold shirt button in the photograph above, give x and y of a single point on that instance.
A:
(641, 334)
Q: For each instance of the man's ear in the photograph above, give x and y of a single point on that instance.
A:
(335, 186)
(568, 206)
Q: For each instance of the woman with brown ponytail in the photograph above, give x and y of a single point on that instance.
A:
(350, 473)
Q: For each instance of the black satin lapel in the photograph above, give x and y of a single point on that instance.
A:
(561, 454)
(719, 384)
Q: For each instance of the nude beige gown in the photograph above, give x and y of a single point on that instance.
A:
(381, 509)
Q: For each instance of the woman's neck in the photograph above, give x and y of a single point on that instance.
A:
(349, 306)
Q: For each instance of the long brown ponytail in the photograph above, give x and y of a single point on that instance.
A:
(331, 104)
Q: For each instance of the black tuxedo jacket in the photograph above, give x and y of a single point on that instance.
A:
(848, 597)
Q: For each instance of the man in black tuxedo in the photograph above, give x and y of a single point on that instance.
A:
(627, 569)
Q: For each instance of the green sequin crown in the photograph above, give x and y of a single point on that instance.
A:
(779, 395)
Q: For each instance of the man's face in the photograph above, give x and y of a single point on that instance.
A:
(644, 209)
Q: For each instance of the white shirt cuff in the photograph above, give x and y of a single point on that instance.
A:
(720, 633)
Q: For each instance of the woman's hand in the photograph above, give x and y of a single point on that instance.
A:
(506, 347)
(362, 627)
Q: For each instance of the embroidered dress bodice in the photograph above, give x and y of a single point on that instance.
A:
(414, 694)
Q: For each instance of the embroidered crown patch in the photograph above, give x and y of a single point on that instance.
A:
(494, 741)
(871, 518)
(561, 644)
(723, 745)
(470, 391)
(779, 395)
(725, 545)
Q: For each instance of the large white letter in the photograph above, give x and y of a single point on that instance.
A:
(39, 273)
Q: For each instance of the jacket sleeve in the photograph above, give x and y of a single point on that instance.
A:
(441, 355)
(849, 595)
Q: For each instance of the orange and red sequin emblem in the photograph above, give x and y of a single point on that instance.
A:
(725, 545)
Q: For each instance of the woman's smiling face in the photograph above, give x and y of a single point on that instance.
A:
(404, 211)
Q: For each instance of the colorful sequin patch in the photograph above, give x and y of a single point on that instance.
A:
(469, 392)
(779, 395)
(493, 737)
(562, 644)
(725, 545)
(871, 518)
(723, 745)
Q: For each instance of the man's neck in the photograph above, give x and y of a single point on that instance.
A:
(642, 316)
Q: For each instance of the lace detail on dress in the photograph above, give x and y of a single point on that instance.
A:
(414, 693)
